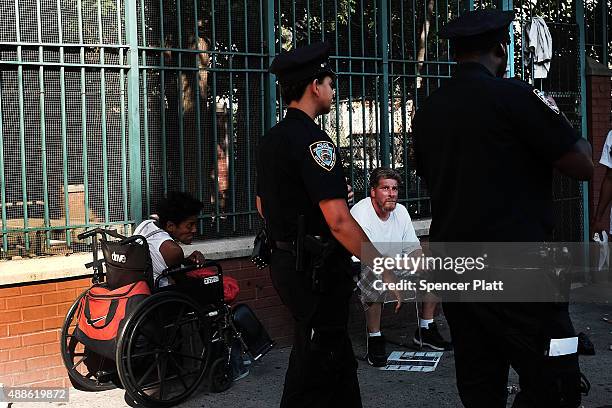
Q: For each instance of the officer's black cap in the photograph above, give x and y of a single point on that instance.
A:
(479, 26)
(302, 63)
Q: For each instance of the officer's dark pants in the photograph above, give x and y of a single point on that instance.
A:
(489, 338)
(322, 368)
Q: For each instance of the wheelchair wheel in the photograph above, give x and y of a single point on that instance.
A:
(87, 370)
(163, 349)
(219, 377)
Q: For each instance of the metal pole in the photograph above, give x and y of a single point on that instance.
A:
(583, 113)
(604, 31)
(270, 111)
(131, 27)
(507, 5)
(383, 46)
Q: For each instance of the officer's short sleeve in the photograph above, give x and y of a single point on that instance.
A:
(544, 129)
(321, 169)
(606, 153)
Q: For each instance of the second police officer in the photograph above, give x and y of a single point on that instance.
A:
(302, 195)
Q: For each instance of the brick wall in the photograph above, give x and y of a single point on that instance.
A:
(31, 317)
(599, 106)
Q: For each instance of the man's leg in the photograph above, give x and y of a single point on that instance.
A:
(376, 354)
(427, 333)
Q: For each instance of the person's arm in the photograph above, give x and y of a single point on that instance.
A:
(577, 162)
(258, 204)
(173, 254)
(600, 221)
(348, 232)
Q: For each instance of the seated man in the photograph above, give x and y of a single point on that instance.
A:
(388, 225)
(177, 216)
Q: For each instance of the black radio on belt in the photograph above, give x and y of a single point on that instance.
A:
(261, 249)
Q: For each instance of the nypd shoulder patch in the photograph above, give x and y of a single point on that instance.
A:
(549, 102)
(324, 154)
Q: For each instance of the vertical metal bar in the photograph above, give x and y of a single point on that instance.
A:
(214, 119)
(145, 113)
(508, 5)
(604, 31)
(124, 174)
(64, 128)
(363, 92)
(131, 26)
(383, 45)
(43, 127)
(308, 19)
(103, 118)
(248, 119)
(403, 103)
(336, 82)
(230, 136)
(2, 180)
(389, 22)
(164, 152)
(22, 147)
(84, 157)
(583, 112)
(198, 113)
(270, 111)
(471, 5)
(179, 84)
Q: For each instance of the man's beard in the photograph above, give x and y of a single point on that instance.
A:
(389, 206)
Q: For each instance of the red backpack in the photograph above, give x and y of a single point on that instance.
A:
(102, 313)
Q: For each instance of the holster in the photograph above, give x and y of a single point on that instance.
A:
(319, 250)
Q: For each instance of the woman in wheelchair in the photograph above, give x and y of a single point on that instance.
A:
(175, 222)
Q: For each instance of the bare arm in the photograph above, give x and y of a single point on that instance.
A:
(578, 162)
(258, 204)
(600, 222)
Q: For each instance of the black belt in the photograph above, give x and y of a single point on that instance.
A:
(284, 246)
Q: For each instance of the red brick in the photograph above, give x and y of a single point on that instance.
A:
(267, 291)
(231, 265)
(39, 338)
(23, 301)
(9, 292)
(4, 356)
(62, 308)
(7, 343)
(4, 330)
(56, 372)
(24, 353)
(32, 376)
(54, 383)
(246, 294)
(53, 323)
(52, 348)
(25, 327)
(10, 316)
(41, 312)
(59, 297)
(36, 289)
(74, 284)
(11, 367)
(43, 362)
(2, 304)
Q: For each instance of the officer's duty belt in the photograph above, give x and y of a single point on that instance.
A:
(284, 246)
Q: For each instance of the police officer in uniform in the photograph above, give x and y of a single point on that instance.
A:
(486, 147)
(300, 177)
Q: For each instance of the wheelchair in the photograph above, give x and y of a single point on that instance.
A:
(167, 342)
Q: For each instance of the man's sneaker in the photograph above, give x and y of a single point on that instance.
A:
(376, 355)
(432, 338)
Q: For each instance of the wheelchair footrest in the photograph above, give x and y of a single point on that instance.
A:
(253, 333)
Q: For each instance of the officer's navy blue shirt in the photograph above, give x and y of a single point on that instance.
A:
(485, 147)
(297, 167)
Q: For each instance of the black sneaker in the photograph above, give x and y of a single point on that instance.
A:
(431, 338)
(376, 355)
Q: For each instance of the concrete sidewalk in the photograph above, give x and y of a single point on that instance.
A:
(389, 389)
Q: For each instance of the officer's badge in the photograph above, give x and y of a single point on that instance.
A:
(550, 102)
(324, 154)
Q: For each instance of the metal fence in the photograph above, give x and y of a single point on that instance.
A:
(107, 105)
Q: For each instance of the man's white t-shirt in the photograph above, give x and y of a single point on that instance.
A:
(155, 238)
(391, 237)
(606, 160)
